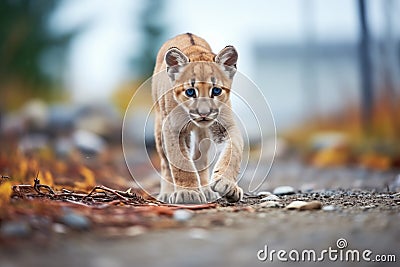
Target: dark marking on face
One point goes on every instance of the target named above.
(191, 38)
(192, 82)
(213, 81)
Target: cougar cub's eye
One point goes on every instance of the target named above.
(216, 91)
(191, 92)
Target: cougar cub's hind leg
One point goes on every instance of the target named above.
(167, 183)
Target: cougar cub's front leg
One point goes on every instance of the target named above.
(227, 168)
(202, 144)
(184, 173)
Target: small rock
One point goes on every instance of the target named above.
(15, 229)
(135, 230)
(63, 146)
(296, 204)
(33, 142)
(329, 208)
(39, 222)
(283, 190)
(303, 205)
(182, 215)
(88, 142)
(270, 197)
(59, 228)
(76, 221)
(263, 193)
(270, 204)
(367, 207)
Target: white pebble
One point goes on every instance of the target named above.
(270, 197)
(329, 208)
(59, 228)
(269, 204)
(303, 205)
(283, 190)
(263, 193)
(135, 230)
(182, 215)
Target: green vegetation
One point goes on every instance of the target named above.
(31, 56)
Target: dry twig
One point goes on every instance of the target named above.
(106, 195)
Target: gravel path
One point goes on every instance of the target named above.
(367, 218)
(230, 235)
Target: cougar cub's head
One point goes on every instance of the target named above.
(202, 88)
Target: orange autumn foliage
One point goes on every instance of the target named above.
(5, 193)
(89, 179)
(375, 161)
(375, 146)
(330, 157)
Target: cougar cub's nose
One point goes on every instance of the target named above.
(203, 109)
(203, 114)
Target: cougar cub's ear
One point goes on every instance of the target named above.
(228, 57)
(175, 60)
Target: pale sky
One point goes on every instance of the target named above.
(98, 58)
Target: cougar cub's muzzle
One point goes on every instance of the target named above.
(203, 111)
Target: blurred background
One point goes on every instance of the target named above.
(329, 70)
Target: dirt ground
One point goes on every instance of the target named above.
(366, 216)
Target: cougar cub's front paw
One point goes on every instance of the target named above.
(228, 189)
(210, 194)
(185, 196)
(163, 197)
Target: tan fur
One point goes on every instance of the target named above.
(185, 170)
